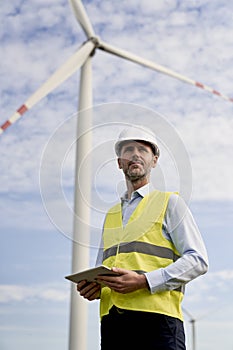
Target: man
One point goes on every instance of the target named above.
(151, 240)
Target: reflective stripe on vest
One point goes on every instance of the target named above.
(141, 247)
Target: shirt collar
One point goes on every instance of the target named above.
(142, 191)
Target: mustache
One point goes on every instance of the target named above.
(135, 161)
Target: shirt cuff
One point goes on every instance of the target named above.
(155, 281)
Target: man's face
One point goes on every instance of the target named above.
(136, 160)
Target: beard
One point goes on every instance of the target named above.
(135, 173)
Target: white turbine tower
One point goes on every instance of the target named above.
(82, 59)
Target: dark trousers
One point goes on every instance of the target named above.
(132, 330)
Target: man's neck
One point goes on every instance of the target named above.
(135, 185)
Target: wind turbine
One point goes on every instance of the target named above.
(82, 59)
(192, 320)
(79, 58)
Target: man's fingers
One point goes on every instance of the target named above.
(81, 285)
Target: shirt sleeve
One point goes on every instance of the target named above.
(179, 227)
(99, 259)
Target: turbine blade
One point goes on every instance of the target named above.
(149, 64)
(188, 314)
(81, 16)
(63, 73)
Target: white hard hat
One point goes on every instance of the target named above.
(137, 133)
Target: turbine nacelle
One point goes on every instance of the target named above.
(97, 43)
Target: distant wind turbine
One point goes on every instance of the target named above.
(82, 59)
(192, 320)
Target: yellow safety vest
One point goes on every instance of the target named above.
(140, 246)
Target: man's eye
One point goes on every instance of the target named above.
(129, 149)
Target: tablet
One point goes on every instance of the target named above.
(92, 274)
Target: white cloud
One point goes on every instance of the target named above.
(35, 293)
(208, 293)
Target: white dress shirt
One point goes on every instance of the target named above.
(180, 228)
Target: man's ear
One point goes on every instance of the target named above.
(119, 163)
(155, 160)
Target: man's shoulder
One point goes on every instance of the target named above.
(115, 208)
(169, 194)
(176, 205)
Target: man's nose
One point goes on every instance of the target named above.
(135, 152)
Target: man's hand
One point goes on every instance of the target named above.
(127, 281)
(89, 290)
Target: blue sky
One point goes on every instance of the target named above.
(192, 38)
